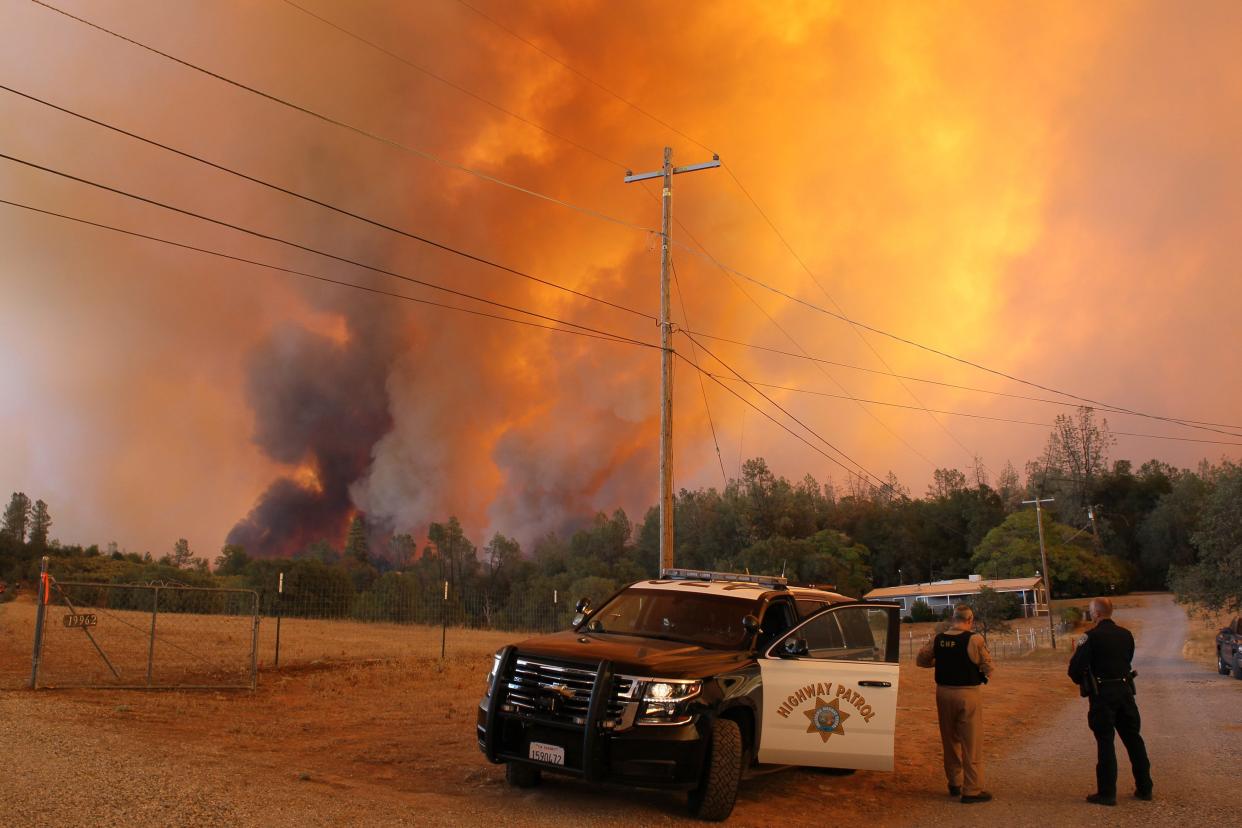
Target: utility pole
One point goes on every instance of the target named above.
(1095, 533)
(666, 349)
(1043, 558)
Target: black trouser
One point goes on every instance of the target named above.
(1113, 709)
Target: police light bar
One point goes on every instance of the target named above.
(775, 581)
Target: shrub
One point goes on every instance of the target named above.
(921, 612)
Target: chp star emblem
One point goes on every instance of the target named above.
(826, 719)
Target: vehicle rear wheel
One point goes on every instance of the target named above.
(522, 775)
(714, 797)
(1222, 666)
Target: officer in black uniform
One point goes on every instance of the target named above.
(1101, 667)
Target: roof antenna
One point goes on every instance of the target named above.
(782, 569)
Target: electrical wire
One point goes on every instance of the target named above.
(458, 87)
(292, 244)
(782, 409)
(797, 390)
(435, 159)
(590, 333)
(681, 299)
(312, 200)
(795, 434)
(974, 455)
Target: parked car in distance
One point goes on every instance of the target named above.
(1229, 649)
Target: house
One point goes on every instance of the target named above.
(940, 594)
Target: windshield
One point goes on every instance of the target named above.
(696, 618)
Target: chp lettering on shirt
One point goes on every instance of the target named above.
(954, 666)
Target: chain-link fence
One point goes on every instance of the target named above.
(1002, 644)
(145, 636)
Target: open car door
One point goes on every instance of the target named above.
(830, 690)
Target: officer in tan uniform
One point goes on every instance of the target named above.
(962, 663)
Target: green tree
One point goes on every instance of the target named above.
(232, 560)
(1011, 550)
(993, 609)
(40, 523)
(1215, 580)
(401, 548)
(357, 548)
(17, 517)
(1165, 533)
(182, 557)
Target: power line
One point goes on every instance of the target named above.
(795, 434)
(907, 377)
(312, 200)
(837, 305)
(1202, 425)
(591, 333)
(798, 390)
(435, 159)
(465, 91)
(703, 388)
(292, 244)
(585, 76)
(781, 408)
(805, 353)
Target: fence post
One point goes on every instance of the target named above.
(444, 621)
(36, 654)
(280, 599)
(155, 611)
(254, 640)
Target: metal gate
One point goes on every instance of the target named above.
(145, 636)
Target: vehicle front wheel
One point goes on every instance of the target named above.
(1222, 666)
(522, 775)
(714, 797)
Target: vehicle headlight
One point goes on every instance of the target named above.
(666, 701)
(491, 676)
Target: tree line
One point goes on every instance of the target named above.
(1110, 528)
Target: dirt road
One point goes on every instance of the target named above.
(1192, 723)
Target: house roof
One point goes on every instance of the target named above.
(960, 586)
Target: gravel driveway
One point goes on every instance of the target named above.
(1192, 723)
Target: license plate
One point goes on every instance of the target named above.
(551, 754)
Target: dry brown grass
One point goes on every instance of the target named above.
(212, 649)
(1200, 646)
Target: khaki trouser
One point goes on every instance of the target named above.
(961, 730)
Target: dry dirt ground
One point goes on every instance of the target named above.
(391, 742)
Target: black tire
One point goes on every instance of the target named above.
(1237, 665)
(1222, 666)
(522, 775)
(713, 799)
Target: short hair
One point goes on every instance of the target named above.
(963, 612)
(1101, 607)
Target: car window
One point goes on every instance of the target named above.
(808, 607)
(849, 633)
(777, 620)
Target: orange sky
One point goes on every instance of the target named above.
(1049, 190)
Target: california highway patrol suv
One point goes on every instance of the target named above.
(691, 680)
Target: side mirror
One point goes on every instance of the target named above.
(750, 623)
(793, 648)
(584, 606)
